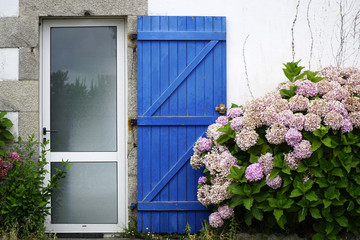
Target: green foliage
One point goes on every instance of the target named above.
(24, 195)
(5, 134)
(293, 72)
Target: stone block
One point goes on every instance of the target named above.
(19, 32)
(9, 8)
(132, 189)
(29, 64)
(132, 160)
(132, 62)
(9, 64)
(45, 8)
(29, 124)
(19, 96)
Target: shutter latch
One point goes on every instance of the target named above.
(221, 108)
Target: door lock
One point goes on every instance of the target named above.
(221, 108)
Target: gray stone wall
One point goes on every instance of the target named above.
(21, 31)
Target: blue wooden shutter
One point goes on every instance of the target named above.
(181, 78)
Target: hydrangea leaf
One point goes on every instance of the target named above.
(278, 213)
(329, 227)
(325, 165)
(279, 161)
(302, 214)
(315, 213)
(236, 201)
(317, 172)
(282, 221)
(248, 202)
(257, 213)
(274, 173)
(342, 221)
(248, 218)
(311, 196)
(296, 193)
(321, 132)
(337, 172)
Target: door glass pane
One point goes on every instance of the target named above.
(83, 89)
(87, 195)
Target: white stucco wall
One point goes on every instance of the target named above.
(9, 8)
(261, 34)
(9, 64)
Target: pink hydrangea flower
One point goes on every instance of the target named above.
(203, 144)
(306, 88)
(254, 172)
(266, 162)
(234, 112)
(237, 123)
(215, 220)
(302, 149)
(202, 180)
(347, 126)
(222, 120)
(226, 211)
(293, 136)
(274, 183)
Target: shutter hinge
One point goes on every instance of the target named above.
(133, 206)
(133, 36)
(133, 121)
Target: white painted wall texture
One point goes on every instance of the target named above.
(263, 34)
(9, 64)
(9, 8)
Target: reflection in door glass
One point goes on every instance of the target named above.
(83, 89)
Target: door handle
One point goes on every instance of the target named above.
(50, 131)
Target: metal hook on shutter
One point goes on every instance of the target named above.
(221, 108)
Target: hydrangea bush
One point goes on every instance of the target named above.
(289, 159)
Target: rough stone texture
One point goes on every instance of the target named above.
(9, 64)
(78, 8)
(29, 62)
(132, 63)
(19, 32)
(132, 195)
(132, 156)
(19, 96)
(28, 124)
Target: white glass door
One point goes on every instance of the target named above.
(83, 109)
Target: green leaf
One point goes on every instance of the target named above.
(337, 172)
(322, 182)
(274, 173)
(282, 221)
(273, 202)
(236, 173)
(248, 202)
(248, 218)
(325, 165)
(317, 172)
(329, 142)
(318, 236)
(329, 228)
(315, 213)
(286, 170)
(296, 193)
(253, 158)
(236, 201)
(321, 132)
(257, 213)
(8, 135)
(235, 188)
(311, 196)
(262, 196)
(302, 168)
(342, 221)
(327, 203)
(223, 138)
(302, 214)
(278, 213)
(279, 161)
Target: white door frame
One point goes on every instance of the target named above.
(120, 155)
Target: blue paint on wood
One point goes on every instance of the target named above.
(171, 206)
(169, 120)
(181, 36)
(181, 78)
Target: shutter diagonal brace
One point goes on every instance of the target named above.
(170, 174)
(176, 83)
